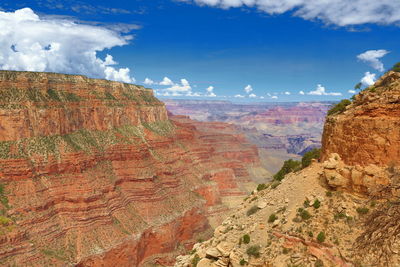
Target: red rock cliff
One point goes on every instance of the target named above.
(94, 172)
(368, 132)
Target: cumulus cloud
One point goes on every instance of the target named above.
(239, 96)
(351, 91)
(248, 89)
(31, 43)
(148, 81)
(301, 93)
(252, 95)
(287, 93)
(372, 57)
(166, 81)
(336, 12)
(368, 79)
(274, 97)
(179, 88)
(320, 90)
(210, 91)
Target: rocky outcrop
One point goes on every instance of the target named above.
(94, 173)
(368, 131)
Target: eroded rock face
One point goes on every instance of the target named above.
(368, 132)
(96, 173)
(371, 180)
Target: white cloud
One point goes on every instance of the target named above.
(301, 93)
(372, 57)
(193, 94)
(148, 81)
(337, 12)
(252, 96)
(239, 96)
(210, 91)
(351, 91)
(287, 93)
(274, 97)
(176, 88)
(166, 81)
(368, 79)
(320, 90)
(261, 97)
(248, 89)
(31, 43)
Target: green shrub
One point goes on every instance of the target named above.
(319, 263)
(261, 187)
(321, 237)
(310, 155)
(363, 210)
(328, 193)
(243, 262)
(252, 210)
(339, 107)
(275, 184)
(109, 96)
(246, 239)
(272, 218)
(53, 95)
(5, 221)
(396, 67)
(304, 214)
(195, 260)
(288, 167)
(358, 86)
(316, 204)
(253, 251)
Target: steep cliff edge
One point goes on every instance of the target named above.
(94, 173)
(343, 211)
(368, 131)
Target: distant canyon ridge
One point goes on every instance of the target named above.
(280, 130)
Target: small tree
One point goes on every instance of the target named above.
(288, 167)
(358, 86)
(312, 154)
(396, 67)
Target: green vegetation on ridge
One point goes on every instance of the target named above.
(81, 140)
(294, 165)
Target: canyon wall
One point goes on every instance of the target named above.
(280, 130)
(94, 173)
(368, 131)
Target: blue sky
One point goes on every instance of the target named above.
(230, 48)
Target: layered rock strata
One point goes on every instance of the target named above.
(94, 173)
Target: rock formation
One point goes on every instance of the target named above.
(96, 173)
(368, 132)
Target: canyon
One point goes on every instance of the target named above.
(279, 130)
(341, 210)
(98, 173)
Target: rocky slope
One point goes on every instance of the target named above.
(342, 211)
(96, 173)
